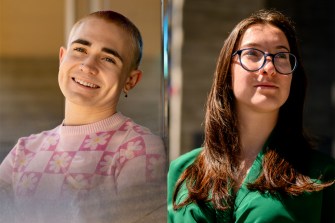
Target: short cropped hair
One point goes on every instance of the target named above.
(127, 25)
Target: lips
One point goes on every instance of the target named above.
(86, 84)
(266, 85)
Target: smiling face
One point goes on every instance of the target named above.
(96, 65)
(264, 90)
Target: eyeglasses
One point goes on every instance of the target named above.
(253, 60)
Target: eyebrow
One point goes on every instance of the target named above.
(255, 45)
(113, 52)
(82, 41)
(104, 49)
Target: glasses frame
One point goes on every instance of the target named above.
(265, 55)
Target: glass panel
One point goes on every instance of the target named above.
(29, 94)
(31, 35)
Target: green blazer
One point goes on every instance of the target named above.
(254, 207)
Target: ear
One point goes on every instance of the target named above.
(62, 52)
(132, 80)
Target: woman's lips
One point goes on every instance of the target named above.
(266, 85)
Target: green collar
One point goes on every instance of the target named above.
(252, 175)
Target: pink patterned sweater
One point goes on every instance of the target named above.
(71, 161)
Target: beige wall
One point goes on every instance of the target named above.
(31, 32)
(35, 28)
(146, 15)
(31, 28)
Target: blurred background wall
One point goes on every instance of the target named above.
(206, 24)
(31, 33)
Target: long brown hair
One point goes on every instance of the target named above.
(211, 177)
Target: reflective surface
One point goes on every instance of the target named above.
(31, 101)
(29, 94)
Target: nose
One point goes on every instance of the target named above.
(269, 67)
(89, 66)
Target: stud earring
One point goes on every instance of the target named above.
(125, 94)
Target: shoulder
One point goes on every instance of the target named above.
(182, 162)
(132, 131)
(130, 125)
(35, 139)
(31, 144)
(178, 166)
(191, 212)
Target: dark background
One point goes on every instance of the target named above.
(207, 24)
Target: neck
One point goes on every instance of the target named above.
(255, 128)
(82, 115)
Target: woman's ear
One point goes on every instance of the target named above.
(132, 80)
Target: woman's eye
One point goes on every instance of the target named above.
(252, 53)
(282, 55)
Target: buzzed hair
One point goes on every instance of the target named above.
(127, 25)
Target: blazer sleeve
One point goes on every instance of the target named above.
(190, 213)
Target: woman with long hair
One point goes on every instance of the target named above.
(257, 163)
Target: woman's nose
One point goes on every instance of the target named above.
(269, 67)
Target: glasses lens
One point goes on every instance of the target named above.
(252, 59)
(284, 62)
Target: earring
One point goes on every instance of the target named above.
(125, 94)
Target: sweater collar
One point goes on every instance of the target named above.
(114, 121)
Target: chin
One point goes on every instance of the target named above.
(267, 105)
